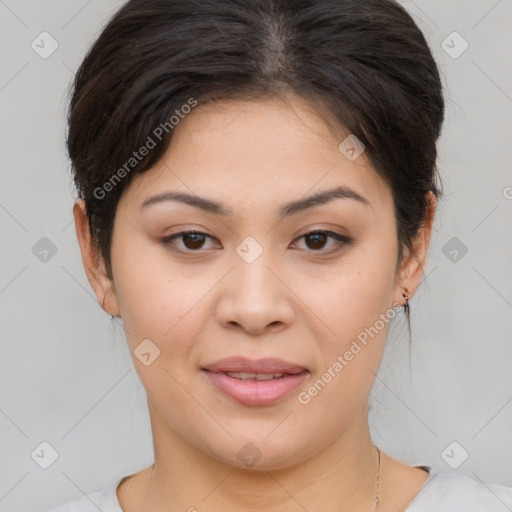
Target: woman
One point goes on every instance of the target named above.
(257, 185)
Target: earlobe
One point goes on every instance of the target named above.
(413, 268)
(94, 264)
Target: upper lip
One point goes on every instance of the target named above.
(246, 365)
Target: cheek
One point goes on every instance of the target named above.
(351, 354)
(168, 312)
(155, 301)
(350, 303)
(350, 297)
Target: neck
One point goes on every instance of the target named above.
(184, 477)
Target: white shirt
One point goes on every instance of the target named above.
(441, 492)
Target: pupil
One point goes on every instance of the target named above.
(196, 240)
(315, 237)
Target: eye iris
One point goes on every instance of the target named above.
(316, 237)
(197, 240)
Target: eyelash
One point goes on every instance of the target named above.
(342, 240)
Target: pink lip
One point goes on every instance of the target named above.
(243, 364)
(264, 392)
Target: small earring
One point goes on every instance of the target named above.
(404, 295)
(407, 308)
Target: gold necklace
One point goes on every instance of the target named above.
(378, 479)
(376, 500)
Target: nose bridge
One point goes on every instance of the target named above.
(251, 268)
(253, 295)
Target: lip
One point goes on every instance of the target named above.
(244, 364)
(265, 392)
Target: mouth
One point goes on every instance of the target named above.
(257, 383)
(263, 389)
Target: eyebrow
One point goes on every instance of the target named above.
(290, 208)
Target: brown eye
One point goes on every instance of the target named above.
(191, 241)
(317, 239)
(194, 241)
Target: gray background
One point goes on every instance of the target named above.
(66, 376)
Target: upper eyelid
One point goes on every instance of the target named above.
(328, 232)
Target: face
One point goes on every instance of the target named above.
(254, 281)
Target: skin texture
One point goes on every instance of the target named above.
(295, 301)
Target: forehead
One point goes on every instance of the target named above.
(271, 150)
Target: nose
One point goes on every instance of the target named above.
(255, 297)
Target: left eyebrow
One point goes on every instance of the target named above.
(290, 208)
(323, 197)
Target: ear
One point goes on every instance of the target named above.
(411, 272)
(94, 264)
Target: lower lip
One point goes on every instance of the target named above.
(263, 392)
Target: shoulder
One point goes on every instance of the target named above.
(452, 492)
(104, 500)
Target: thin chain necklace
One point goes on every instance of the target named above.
(378, 480)
(376, 500)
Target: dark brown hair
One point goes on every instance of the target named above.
(364, 63)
